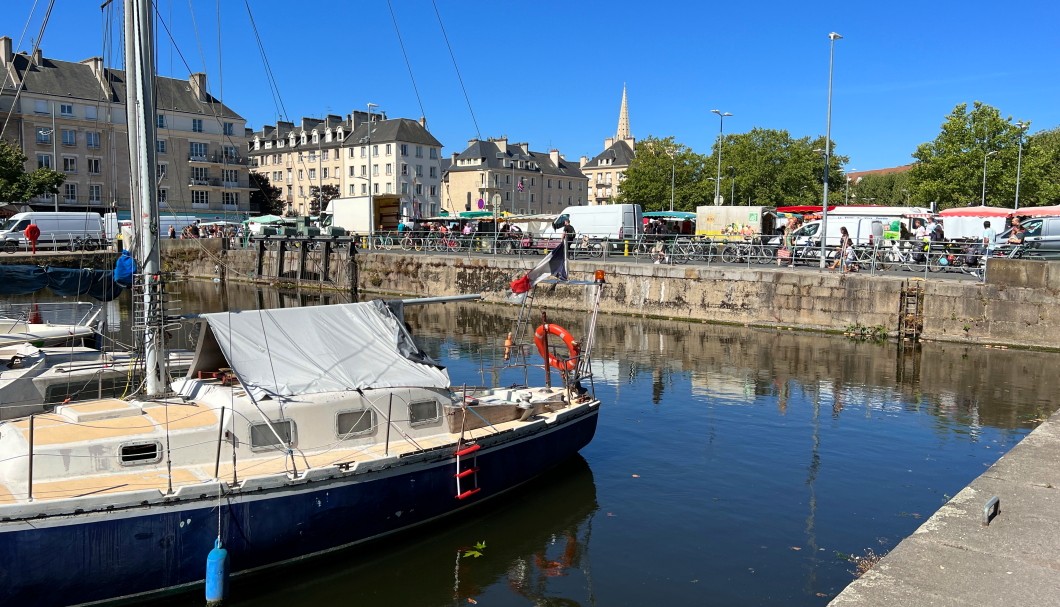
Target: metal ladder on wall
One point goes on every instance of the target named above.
(911, 311)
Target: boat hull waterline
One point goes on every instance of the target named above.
(159, 547)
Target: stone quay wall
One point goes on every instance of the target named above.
(1018, 306)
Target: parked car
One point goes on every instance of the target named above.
(1042, 238)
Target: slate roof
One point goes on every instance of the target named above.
(620, 153)
(65, 79)
(404, 130)
(488, 151)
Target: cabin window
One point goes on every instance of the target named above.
(137, 454)
(353, 423)
(261, 437)
(423, 412)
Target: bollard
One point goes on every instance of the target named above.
(625, 248)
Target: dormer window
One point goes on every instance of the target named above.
(303, 139)
(316, 137)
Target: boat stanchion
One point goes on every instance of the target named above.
(216, 575)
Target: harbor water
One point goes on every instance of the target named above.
(732, 466)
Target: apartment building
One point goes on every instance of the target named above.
(509, 177)
(71, 117)
(358, 154)
(607, 169)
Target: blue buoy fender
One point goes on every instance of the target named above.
(216, 575)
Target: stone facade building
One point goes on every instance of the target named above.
(607, 169)
(71, 117)
(511, 177)
(396, 157)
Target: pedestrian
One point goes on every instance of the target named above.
(845, 243)
(568, 232)
(172, 231)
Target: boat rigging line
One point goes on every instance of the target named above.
(401, 43)
(460, 78)
(36, 47)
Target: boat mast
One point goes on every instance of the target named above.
(140, 117)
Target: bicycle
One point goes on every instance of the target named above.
(83, 243)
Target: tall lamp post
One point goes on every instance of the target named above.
(985, 156)
(832, 37)
(371, 194)
(1019, 160)
(721, 132)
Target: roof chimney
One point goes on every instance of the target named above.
(583, 161)
(553, 155)
(96, 63)
(38, 57)
(198, 85)
(423, 121)
(5, 50)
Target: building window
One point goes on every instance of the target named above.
(404, 149)
(230, 198)
(375, 170)
(44, 161)
(352, 189)
(419, 151)
(160, 146)
(95, 193)
(324, 173)
(70, 192)
(389, 187)
(434, 153)
(163, 196)
(389, 149)
(419, 189)
(434, 191)
(92, 139)
(44, 135)
(404, 169)
(324, 155)
(69, 137)
(364, 189)
(230, 152)
(197, 150)
(66, 109)
(375, 150)
(301, 174)
(160, 173)
(419, 170)
(364, 151)
(196, 125)
(312, 156)
(312, 173)
(160, 121)
(69, 164)
(229, 129)
(434, 172)
(405, 188)
(94, 166)
(40, 107)
(389, 169)
(200, 197)
(200, 176)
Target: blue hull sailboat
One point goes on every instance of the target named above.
(296, 432)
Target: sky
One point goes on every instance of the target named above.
(551, 73)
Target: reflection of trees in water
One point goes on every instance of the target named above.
(960, 384)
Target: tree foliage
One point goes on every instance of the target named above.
(658, 164)
(320, 196)
(977, 148)
(772, 168)
(16, 185)
(264, 197)
(892, 189)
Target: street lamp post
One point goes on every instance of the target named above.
(985, 156)
(371, 195)
(1019, 160)
(847, 195)
(732, 194)
(832, 37)
(721, 131)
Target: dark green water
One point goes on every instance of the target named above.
(732, 466)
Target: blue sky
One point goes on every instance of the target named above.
(551, 73)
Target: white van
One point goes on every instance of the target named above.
(860, 222)
(606, 221)
(57, 230)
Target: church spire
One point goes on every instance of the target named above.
(623, 118)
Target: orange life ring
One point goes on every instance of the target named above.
(555, 362)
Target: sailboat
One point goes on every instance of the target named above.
(296, 432)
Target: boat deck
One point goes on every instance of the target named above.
(57, 428)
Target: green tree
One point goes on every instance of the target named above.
(16, 185)
(647, 181)
(320, 196)
(264, 197)
(978, 147)
(891, 189)
(772, 168)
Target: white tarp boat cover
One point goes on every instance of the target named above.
(309, 350)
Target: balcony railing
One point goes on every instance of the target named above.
(209, 181)
(217, 158)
